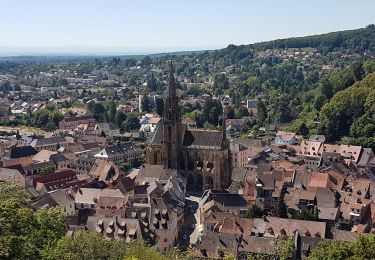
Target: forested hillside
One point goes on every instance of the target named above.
(350, 114)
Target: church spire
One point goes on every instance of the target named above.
(172, 81)
(224, 126)
(171, 125)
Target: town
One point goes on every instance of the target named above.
(142, 169)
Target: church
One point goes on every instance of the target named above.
(201, 156)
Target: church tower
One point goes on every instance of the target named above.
(171, 126)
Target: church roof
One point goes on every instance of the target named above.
(194, 138)
(198, 138)
(157, 137)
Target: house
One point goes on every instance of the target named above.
(226, 223)
(105, 171)
(19, 155)
(12, 176)
(149, 124)
(81, 150)
(39, 168)
(275, 227)
(115, 227)
(60, 161)
(353, 211)
(49, 143)
(108, 129)
(235, 125)
(125, 109)
(119, 153)
(214, 246)
(81, 166)
(285, 138)
(190, 123)
(103, 202)
(166, 219)
(58, 180)
(57, 198)
(350, 153)
(244, 150)
(222, 200)
(71, 123)
(43, 156)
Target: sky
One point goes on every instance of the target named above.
(150, 26)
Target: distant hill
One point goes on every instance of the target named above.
(359, 40)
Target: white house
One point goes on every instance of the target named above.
(285, 138)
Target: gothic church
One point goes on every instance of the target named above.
(201, 156)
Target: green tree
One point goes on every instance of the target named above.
(332, 250)
(131, 122)
(326, 88)
(280, 210)
(303, 129)
(241, 112)
(86, 246)
(285, 248)
(146, 61)
(262, 113)
(229, 112)
(25, 233)
(120, 117)
(145, 104)
(311, 214)
(159, 106)
(138, 249)
(254, 212)
(111, 107)
(98, 111)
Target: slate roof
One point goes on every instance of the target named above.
(9, 175)
(56, 158)
(289, 226)
(149, 172)
(61, 197)
(157, 137)
(365, 157)
(325, 197)
(22, 151)
(119, 148)
(328, 213)
(203, 138)
(229, 199)
(78, 118)
(214, 245)
(50, 141)
(343, 235)
(263, 245)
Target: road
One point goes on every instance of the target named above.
(191, 218)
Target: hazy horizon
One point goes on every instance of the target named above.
(117, 27)
(110, 51)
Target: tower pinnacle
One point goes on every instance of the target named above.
(172, 81)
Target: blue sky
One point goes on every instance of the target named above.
(138, 26)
